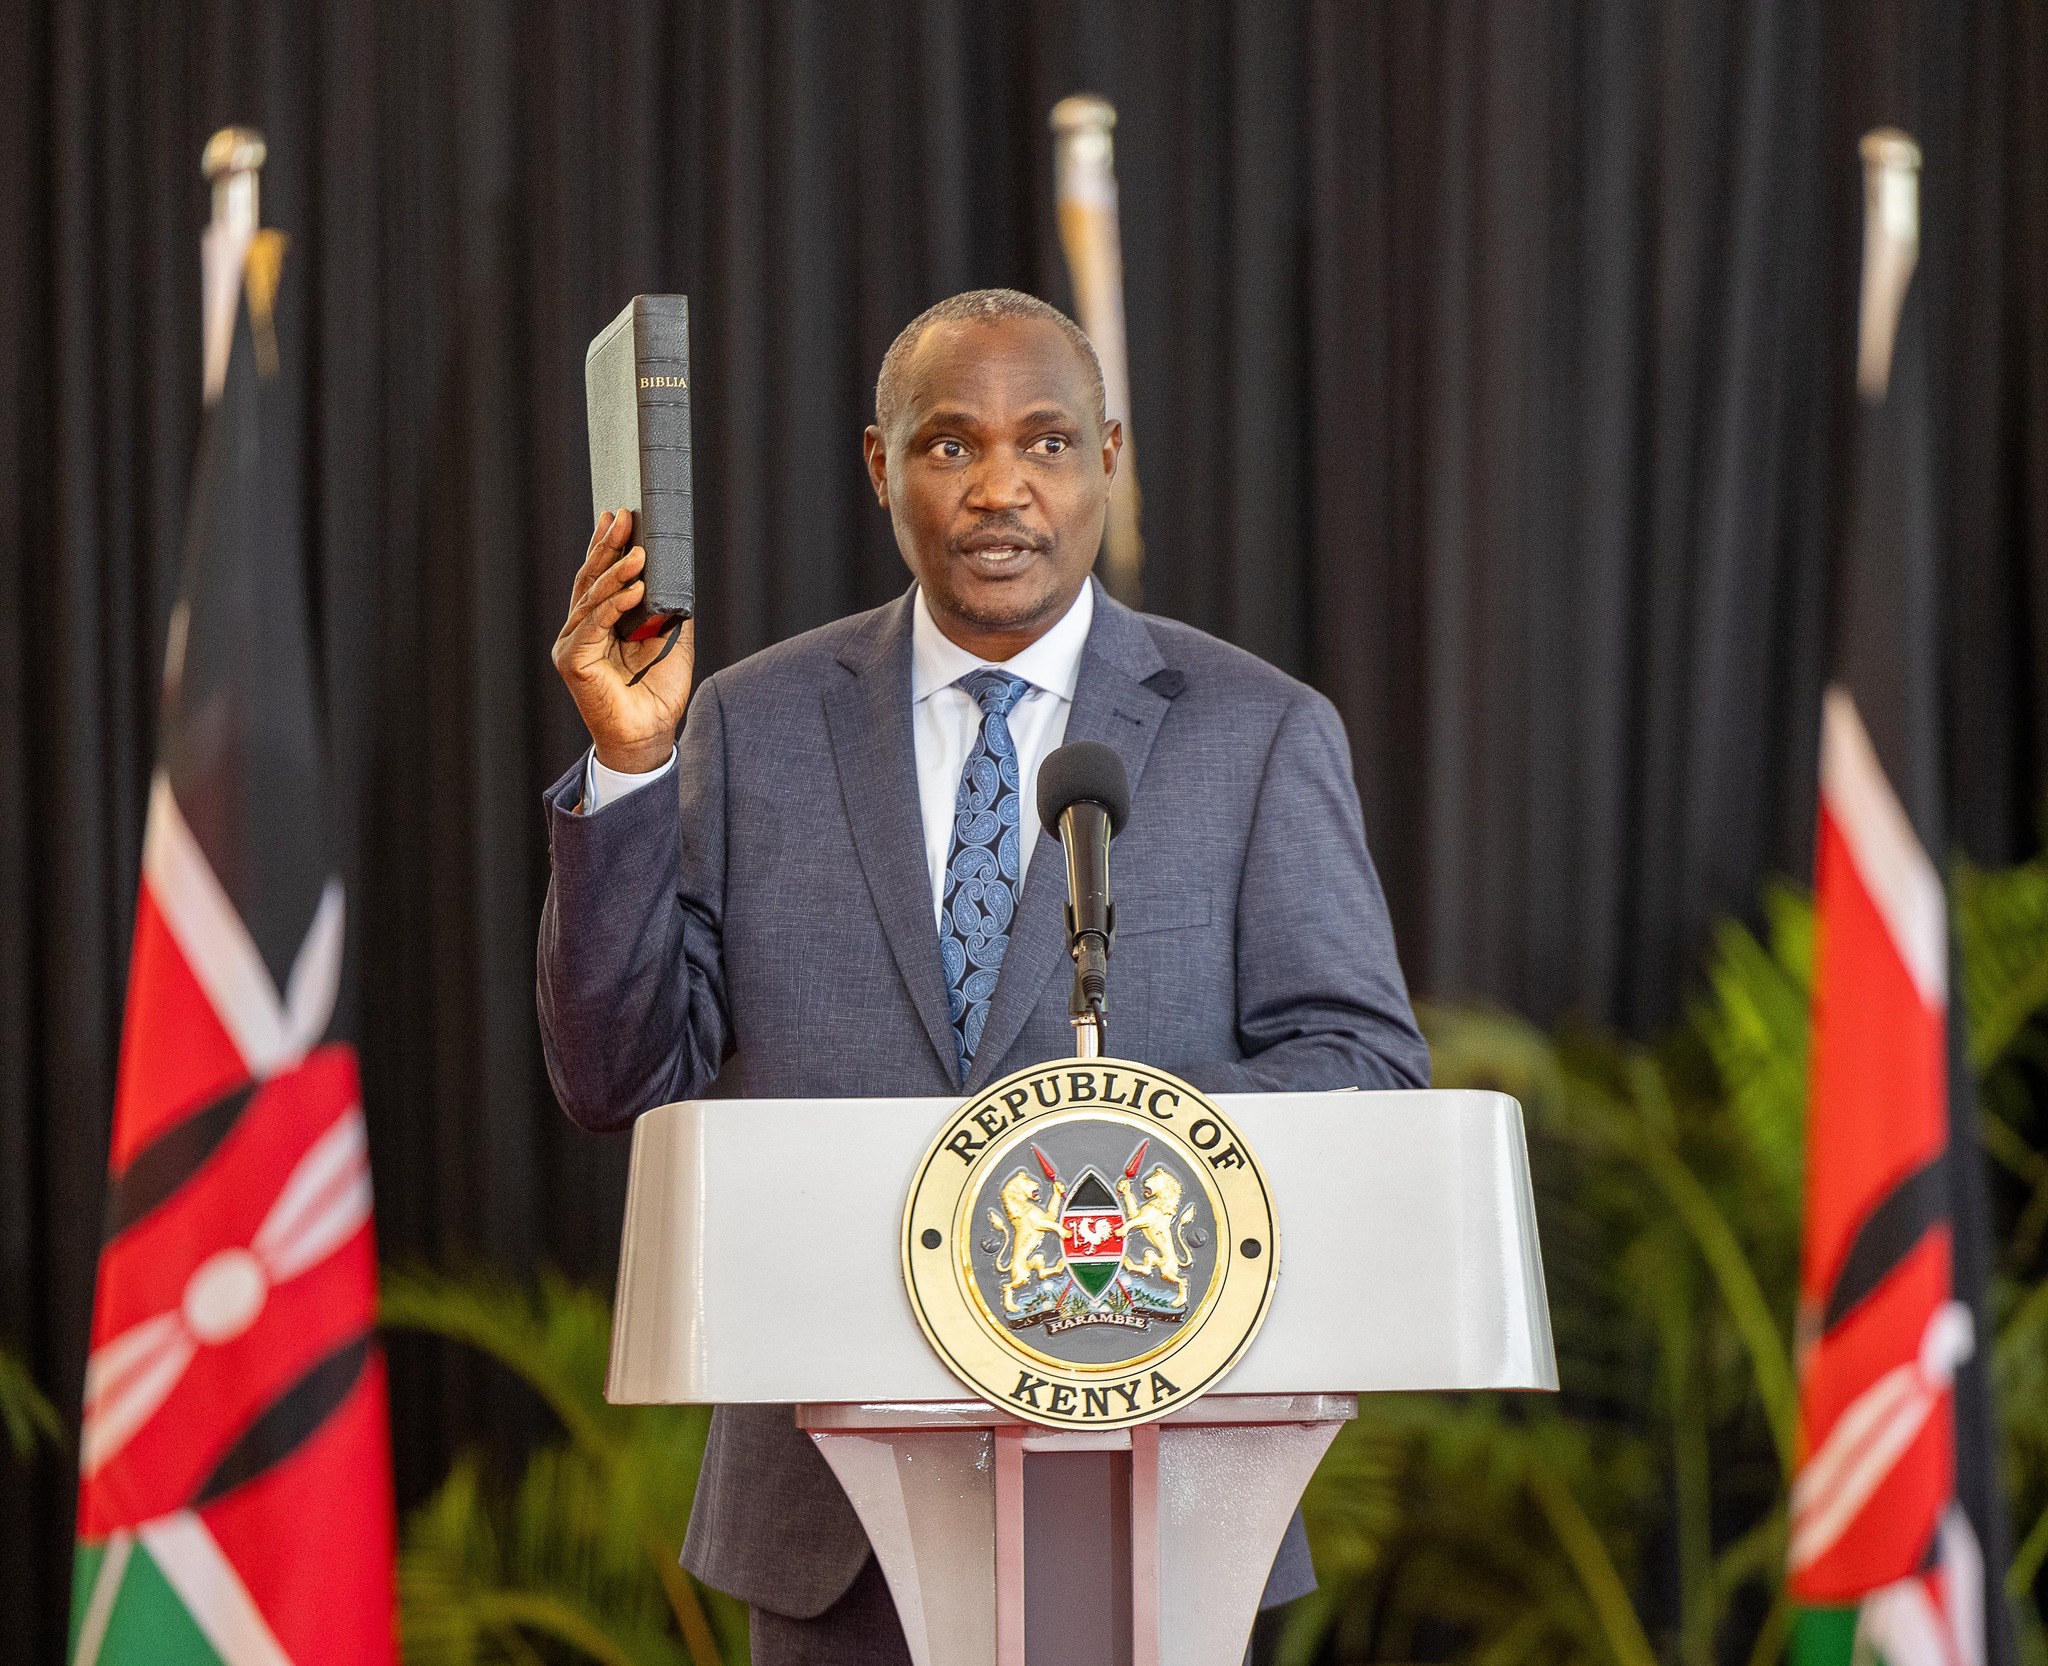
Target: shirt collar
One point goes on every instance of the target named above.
(1052, 663)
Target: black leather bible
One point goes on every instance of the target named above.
(636, 381)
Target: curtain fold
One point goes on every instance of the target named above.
(1490, 372)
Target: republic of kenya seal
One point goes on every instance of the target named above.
(1089, 1243)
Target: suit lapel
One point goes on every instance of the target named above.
(1111, 705)
(873, 748)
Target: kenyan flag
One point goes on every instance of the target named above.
(1894, 1507)
(235, 1478)
(1092, 1227)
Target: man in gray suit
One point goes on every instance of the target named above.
(829, 886)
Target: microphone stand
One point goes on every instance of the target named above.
(1089, 1002)
(1091, 1028)
(1083, 798)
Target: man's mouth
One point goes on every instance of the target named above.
(994, 554)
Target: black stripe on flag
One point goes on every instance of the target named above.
(290, 1421)
(171, 1159)
(1887, 1236)
(242, 739)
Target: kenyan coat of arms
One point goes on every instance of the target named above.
(1089, 1243)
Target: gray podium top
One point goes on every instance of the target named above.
(761, 1259)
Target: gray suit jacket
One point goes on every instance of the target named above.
(769, 927)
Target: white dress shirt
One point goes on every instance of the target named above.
(944, 723)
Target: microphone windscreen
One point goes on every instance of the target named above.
(1083, 772)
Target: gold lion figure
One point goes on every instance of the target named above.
(1153, 1219)
(1028, 1227)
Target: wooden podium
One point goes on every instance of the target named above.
(1409, 1260)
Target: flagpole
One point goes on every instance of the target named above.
(1891, 249)
(235, 1494)
(1084, 174)
(1883, 1559)
(233, 164)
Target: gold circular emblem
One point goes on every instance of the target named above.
(1089, 1243)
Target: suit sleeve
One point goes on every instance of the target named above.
(631, 977)
(1321, 1002)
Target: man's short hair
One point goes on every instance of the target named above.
(978, 306)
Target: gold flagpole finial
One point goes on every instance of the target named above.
(1891, 249)
(232, 150)
(1084, 114)
(232, 163)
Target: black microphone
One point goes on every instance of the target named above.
(1084, 798)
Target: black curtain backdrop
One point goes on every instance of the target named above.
(1491, 371)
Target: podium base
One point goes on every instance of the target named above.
(1004, 1542)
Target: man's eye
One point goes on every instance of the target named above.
(1052, 445)
(950, 451)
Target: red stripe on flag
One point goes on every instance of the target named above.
(143, 1272)
(328, 1596)
(150, 1271)
(1888, 1538)
(1876, 1436)
(1880, 1067)
(175, 1054)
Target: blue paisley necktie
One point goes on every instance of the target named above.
(981, 873)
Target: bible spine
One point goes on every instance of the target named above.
(637, 385)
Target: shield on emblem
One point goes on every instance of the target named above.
(1092, 1227)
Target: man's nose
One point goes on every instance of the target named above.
(998, 481)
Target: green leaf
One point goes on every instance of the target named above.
(2001, 924)
(1754, 1024)
(590, 1535)
(29, 1416)
(1594, 1567)
(555, 1338)
(468, 1597)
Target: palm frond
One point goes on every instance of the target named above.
(1354, 1503)
(1670, 1234)
(2001, 923)
(554, 1337)
(1587, 1550)
(2019, 1378)
(1669, 1184)
(595, 1526)
(1753, 1024)
(567, 1532)
(471, 1594)
(29, 1416)
(1427, 1514)
(450, 1553)
(1484, 1047)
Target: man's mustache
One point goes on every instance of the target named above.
(1003, 527)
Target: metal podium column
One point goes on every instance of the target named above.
(941, 1489)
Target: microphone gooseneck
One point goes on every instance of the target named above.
(1084, 799)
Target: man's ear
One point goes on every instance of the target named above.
(877, 456)
(1112, 446)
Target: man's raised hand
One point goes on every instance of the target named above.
(633, 725)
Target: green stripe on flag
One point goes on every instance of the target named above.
(1823, 1636)
(149, 1626)
(85, 1570)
